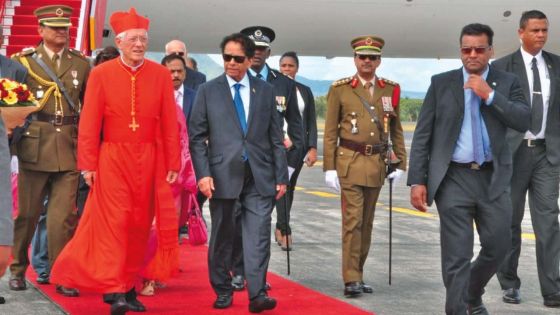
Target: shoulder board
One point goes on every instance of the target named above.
(342, 81)
(76, 52)
(388, 81)
(25, 52)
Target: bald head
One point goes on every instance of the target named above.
(177, 47)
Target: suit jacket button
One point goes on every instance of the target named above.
(371, 134)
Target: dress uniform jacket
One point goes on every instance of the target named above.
(285, 89)
(45, 146)
(344, 104)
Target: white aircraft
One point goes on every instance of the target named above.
(411, 28)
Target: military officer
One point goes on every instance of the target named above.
(362, 114)
(47, 149)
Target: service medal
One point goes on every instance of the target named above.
(280, 103)
(40, 93)
(387, 103)
(75, 76)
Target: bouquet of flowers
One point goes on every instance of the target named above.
(16, 103)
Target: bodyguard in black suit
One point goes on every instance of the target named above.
(239, 158)
(459, 158)
(536, 159)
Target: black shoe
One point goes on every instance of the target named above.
(352, 289)
(119, 306)
(17, 284)
(223, 301)
(552, 300)
(2, 300)
(511, 296)
(133, 304)
(43, 278)
(261, 303)
(68, 292)
(366, 288)
(479, 309)
(238, 283)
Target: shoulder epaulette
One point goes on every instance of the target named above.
(76, 52)
(389, 81)
(25, 52)
(342, 81)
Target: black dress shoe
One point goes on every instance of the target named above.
(366, 288)
(133, 304)
(68, 292)
(552, 300)
(43, 278)
(2, 300)
(477, 309)
(352, 289)
(238, 283)
(511, 296)
(119, 306)
(223, 301)
(17, 284)
(261, 303)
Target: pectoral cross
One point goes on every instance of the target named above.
(134, 125)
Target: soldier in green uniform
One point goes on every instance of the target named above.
(47, 148)
(362, 115)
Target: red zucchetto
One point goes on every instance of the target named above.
(122, 21)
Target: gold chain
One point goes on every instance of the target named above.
(133, 125)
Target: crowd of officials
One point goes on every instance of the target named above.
(118, 153)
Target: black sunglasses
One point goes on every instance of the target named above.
(478, 50)
(178, 53)
(238, 59)
(370, 57)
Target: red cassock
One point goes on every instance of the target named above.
(107, 251)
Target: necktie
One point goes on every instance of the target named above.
(238, 102)
(369, 88)
(179, 99)
(537, 104)
(55, 58)
(259, 76)
(478, 146)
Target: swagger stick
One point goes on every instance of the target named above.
(287, 199)
(388, 162)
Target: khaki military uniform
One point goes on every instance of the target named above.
(361, 175)
(47, 153)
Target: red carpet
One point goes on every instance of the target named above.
(190, 293)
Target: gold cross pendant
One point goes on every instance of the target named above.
(134, 125)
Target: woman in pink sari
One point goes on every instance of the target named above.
(162, 257)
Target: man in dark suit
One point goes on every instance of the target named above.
(239, 158)
(193, 78)
(536, 159)
(184, 96)
(13, 71)
(459, 158)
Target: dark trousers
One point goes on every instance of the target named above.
(532, 172)
(285, 203)
(255, 227)
(461, 199)
(237, 255)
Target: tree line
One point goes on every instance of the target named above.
(409, 107)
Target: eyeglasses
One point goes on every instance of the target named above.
(178, 53)
(370, 57)
(478, 50)
(238, 59)
(134, 39)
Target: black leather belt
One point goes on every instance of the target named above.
(365, 149)
(533, 143)
(473, 165)
(56, 120)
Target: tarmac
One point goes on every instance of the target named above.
(416, 283)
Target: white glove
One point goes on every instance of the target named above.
(290, 172)
(395, 175)
(331, 179)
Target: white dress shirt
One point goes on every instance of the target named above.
(179, 95)
(244, 92)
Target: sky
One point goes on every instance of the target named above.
(413, 74)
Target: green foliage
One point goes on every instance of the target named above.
(410, 108)
(321, 106)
